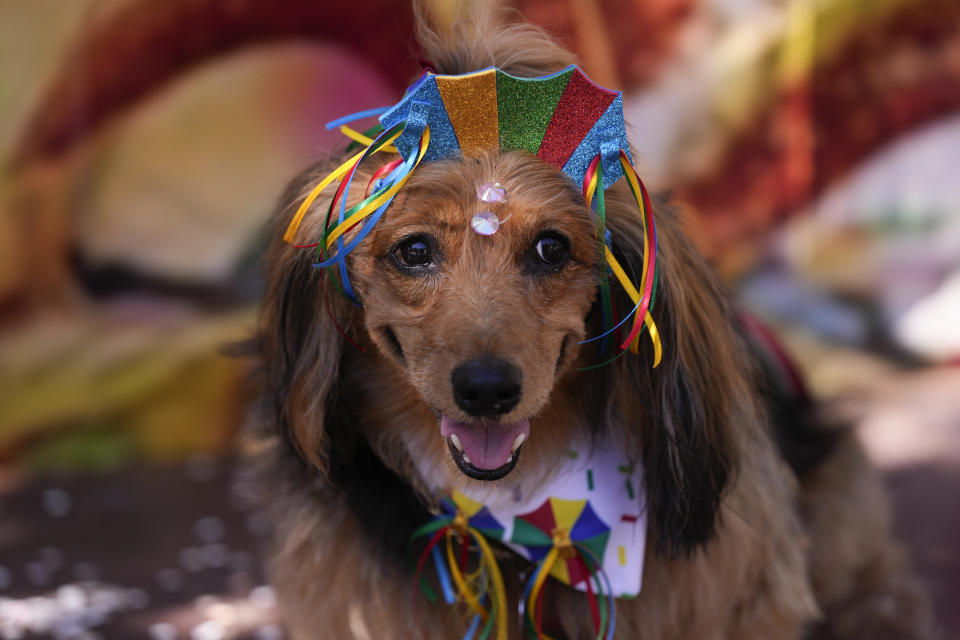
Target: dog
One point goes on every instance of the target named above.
(763, 522)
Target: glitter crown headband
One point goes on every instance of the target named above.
(563, 118)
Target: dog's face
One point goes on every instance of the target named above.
(477, 337)
(483, 327)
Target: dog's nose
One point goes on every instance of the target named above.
(487, 386)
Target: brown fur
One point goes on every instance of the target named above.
(731, 555)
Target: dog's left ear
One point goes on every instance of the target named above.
(299, 337)
(683, 415)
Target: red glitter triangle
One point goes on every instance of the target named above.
(580, 106)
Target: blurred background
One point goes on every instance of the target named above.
(813, 144)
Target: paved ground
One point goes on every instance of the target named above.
(159, 553)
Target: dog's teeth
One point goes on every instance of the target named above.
(466, 459)
(509, 459)
(455, 439)
(517, 442)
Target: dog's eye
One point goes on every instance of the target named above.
(549, 253)
(413, 253)
(552, 249)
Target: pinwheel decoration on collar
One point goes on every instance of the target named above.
(564, 538)
(563, 118)
(465, 521)
(585, 528)
(567, 541)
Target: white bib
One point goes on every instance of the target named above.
(595, 499)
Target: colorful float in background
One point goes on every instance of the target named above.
(146, 144)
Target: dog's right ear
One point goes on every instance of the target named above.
(299, 340)
(691, 412)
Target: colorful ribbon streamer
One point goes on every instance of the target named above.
(602, 609)
(648, 281)
(485, 584)
(374, 205)
(356, 136)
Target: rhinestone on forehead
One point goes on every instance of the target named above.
(491, 192)
(486, 223)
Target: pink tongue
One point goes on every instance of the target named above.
(487, 444)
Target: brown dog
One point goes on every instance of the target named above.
(757, 530)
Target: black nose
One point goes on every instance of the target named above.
(486, 386)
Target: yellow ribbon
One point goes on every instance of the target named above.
(375, 204)
(337, 173)
(472, 600)
(497, 591)
(548, 563)
(356, 136)
(636, 189)
(622, 275)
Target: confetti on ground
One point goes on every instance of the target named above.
(168, 553)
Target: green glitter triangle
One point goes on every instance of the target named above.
(525, 107)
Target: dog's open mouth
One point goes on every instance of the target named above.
(484, 450)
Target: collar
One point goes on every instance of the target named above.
(585, 527)
(595, 499)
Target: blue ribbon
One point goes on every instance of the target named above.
(414, 127)
(444, 576)
(609, 331)
(366, 113)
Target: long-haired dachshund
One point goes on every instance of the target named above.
(464, 365)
